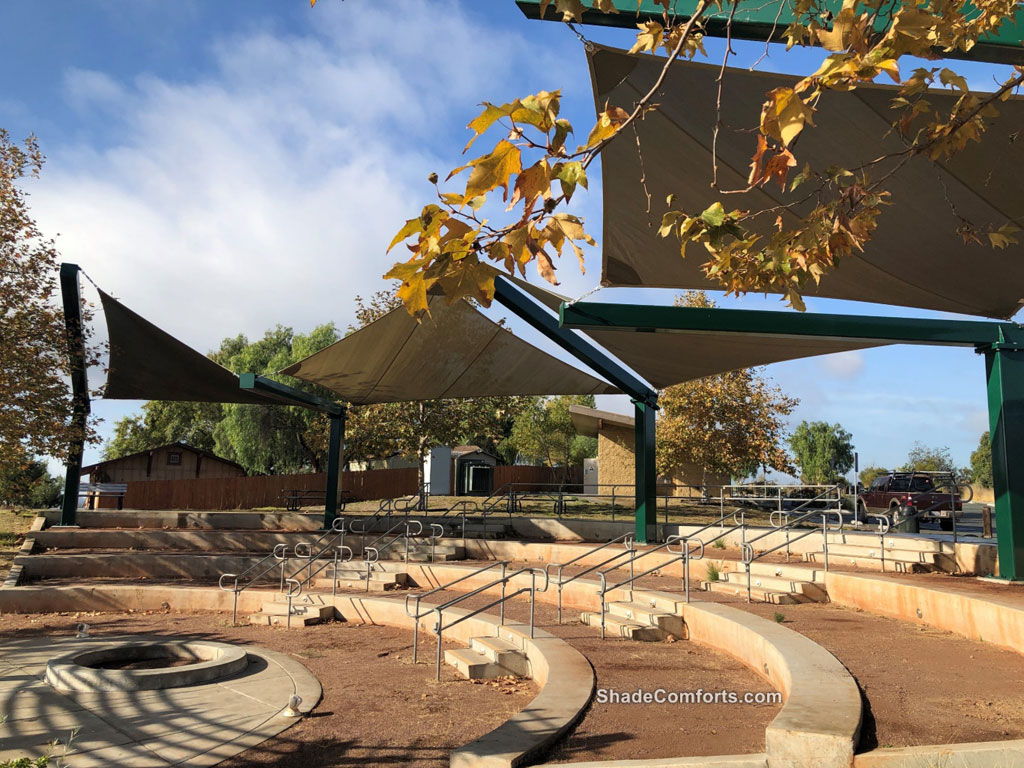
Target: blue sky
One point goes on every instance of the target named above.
(224, 167)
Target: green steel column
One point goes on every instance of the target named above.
(332, 496)
(1005, 367)
(71, 297)
(646, 477)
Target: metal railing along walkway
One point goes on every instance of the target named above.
(606, 588)
(626, 539)
(440, 626)
(254, 573)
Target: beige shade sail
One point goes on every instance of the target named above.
(915, 258)
(147, 363)
(666, 358)
(456, 352)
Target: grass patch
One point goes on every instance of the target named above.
(779, 617)
(713, 573)
(719, 544)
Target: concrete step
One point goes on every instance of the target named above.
(357, 584)
(396, 578)
(795, 571)
(502, 653)
(901, 542)
(297, 622)
(912, 561)
(321, 611)
(811, 590)
(618, 626)
(645, 615)
(473, 665)
(756, 593)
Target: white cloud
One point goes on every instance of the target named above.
(266, 190)
(844, 365)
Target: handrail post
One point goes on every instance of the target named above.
(604, 583)
(503, 585)
(334, 581)
(533, 599)
(438, 674)
(686, 568)
(824, 538)
(234, 607)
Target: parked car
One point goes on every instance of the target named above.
(928, 492)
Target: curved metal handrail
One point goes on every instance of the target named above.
(279, 555)
(532, 589)
(417, 615)
(666, 545)
(626, 538)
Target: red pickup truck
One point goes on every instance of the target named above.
(926, 491)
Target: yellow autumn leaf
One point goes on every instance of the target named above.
(607, 125)
(649, 38)
(532, 183)
(493, 170)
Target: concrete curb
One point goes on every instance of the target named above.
(566, 678)
(819, 723)
(996, 754)
(720, 761)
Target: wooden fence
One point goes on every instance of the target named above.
(267, 490)
(262, 491)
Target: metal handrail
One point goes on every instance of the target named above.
(294, 590)
(626, 538)
(335, 561)
(748, 556)
(419, 597)
(375, 550)
(279, 555)
(304, 549)
(688, 557)
(605, 588)
(532, 589)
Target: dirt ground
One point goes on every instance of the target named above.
(920, 685)
(378, 709)
(621, 731)
(13, 526)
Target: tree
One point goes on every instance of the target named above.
(538, 172)
(868, 475)
(35, 416)
(262, 438)
(923, 458)
(544, 433)
(726, 424)
(164, 422)
(824, 452)
(981, 462)
(29, 484)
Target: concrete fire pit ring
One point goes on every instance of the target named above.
(188, 662)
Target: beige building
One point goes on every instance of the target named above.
(615, 435)
(168, 462)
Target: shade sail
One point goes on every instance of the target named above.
(456, 352)
(665, 359)
(147, 363)
(915, 258)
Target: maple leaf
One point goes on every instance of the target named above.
(493, 170)
(651, 36)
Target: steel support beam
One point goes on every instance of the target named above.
(336, 411)
(646, 476)
(71, 296)
(1004, 365)
(288, 395)
(332, 495)
(1002, 343)
(645, 397)
(901, 330)
(757, 20)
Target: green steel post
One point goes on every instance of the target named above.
(332, 495)
(646, 477)
(1005, 367)
(71, 296)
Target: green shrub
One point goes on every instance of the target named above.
(713, 572)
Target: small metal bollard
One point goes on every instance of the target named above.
(986, 522)
(292, 710)
(83, 631)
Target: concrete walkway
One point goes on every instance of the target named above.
(197, 725)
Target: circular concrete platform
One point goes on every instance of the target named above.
(196, 725)
(172, 664)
